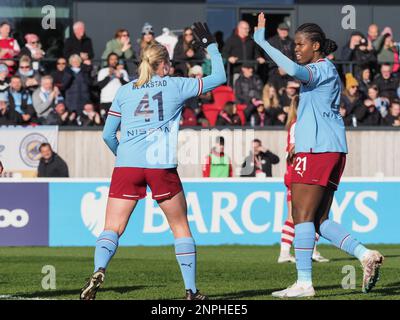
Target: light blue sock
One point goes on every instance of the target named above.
(338, 235)
(106, 246)
(304, 241)
(185, 250)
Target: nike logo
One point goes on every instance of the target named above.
(187, 265)
(109, 251)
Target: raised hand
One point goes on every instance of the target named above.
(202, 34)
(261, 21)
(259, 34)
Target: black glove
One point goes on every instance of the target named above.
(202, 34)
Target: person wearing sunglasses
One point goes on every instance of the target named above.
(33, 48)
(120, 45)
(30, 77)
(62, 78)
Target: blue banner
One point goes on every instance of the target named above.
(221, 212)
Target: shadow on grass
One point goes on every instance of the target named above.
(57, 293)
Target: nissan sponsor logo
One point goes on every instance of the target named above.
(17, 218)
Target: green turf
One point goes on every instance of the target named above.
(224, 272)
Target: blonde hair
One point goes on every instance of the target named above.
(151, 57)
(270, 102)
(292, 114)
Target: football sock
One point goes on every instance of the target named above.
(287, 237)
(336, 234)
(185, 250)
(106, 246)
(303, 246)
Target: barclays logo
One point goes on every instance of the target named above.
(93, 209)
(17, 218)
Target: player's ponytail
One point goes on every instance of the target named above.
(316, 34)
(151, 57)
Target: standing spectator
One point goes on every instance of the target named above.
(51, 165)
(120, 45)
(8, 116)
(109, 80)
(386, 82)
(351, 97)
(248, 88)
(187, 53)
(61, 77)
(4, 81)
(217, 164)
(228, 116)
(45, 97)
(89, 117)
(349, 48)
(373, 32)
(241, 47)
(20, 100)
(146, 39)
(9, 47)
(363, 56)
(30, 78)
(60, 116)
(381, 103)
(32, 49)
(259, 162)
(260, 117)
(79, 43)
(393, 118)
(77, 94)
(387, 50)
(367, 114)
(283, 43)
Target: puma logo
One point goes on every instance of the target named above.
(187, 265)
(300, 173)
(109, 251)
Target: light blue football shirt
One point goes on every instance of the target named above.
(320, 127)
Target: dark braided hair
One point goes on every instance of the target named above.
(315, 34)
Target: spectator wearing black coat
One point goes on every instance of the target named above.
(20, 100)
(187, 54)
(351, 97)
(79, 43)
(260, 117)
(61, 117)
(364, 80)
(347, 118)
(8, 116)
(51, 165)
(89, 117)
(62, 78)
(259, 162)
(349, 48)
(393, 117)
(241, 47)
(386, 82)
(228, 116)
(4, 80)
(367, 114)
(78, 92)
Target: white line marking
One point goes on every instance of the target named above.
(12, 297)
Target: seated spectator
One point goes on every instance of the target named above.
(217, 163)
(9, 47)
(146, 39)
(381, 103)
(79, 43)
(351, 97)
(228, 116)
(197, 102)
(8, 116)
(291, 90)
(367, 114)
(4, 81)
(393, 118)
(260, 117)
(272, 106)
(186, 52)
(248, 88)
(386, 82)
(120, 45)
(109, 80)
(387, 50)
(45, 97)
(51, 165)
(89, 117)
(32, 49)
(259, 162)
(60, 116)
(30, 78)
(61, 76)
(347, 118)
(77, 94)
(20, 100)
(364, 80)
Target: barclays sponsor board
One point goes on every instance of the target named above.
(224, 212)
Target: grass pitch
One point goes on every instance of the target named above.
(224, 272)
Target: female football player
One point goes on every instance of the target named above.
(148, 111)
(287, 235)
(320, 155)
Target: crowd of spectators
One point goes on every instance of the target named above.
(76, 91)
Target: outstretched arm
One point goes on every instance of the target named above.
(293, 69)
